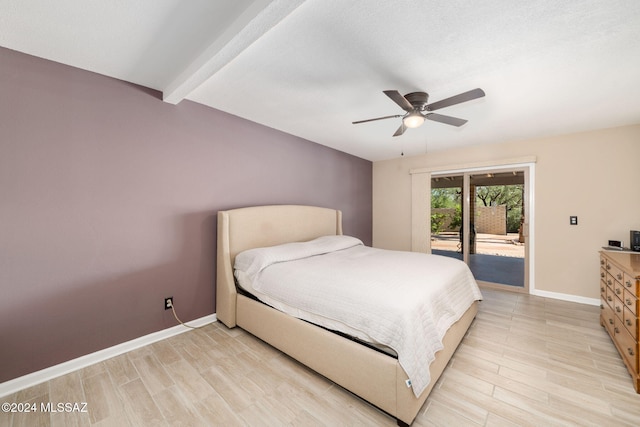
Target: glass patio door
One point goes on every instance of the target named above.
(481, 217)
(446, 215)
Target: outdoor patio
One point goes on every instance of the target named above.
(498, 258)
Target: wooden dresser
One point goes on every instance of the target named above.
(619, 293)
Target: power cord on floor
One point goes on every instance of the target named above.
(170, 304)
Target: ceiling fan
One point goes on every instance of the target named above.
(415, 104)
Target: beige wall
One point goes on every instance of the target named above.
(591, 175)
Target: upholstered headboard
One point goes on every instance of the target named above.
(261, 226)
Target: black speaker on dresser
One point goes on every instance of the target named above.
(634, 241)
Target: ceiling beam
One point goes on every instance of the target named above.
(260, 17)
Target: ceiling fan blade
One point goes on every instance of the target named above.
(377, 118)
(400, 130)
(457, 99)
(399, 99)
(454, 121)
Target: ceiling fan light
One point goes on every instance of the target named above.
(413, 119)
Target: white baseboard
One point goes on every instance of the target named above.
(566, 297)
(20, 383)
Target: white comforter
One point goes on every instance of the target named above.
(404, 300)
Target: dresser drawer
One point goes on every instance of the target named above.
(611, 282)
(615, 272)
(611, 297)
(631, 284)
(618, 288)
(607, 317)
(631, 302)
(618, 307)
(631, 323)
(628, 346)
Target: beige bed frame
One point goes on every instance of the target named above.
(373, 376)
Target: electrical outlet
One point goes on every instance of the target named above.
(168, 303)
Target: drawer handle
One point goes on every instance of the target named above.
(602, 274)
(619, 276)
(628, 301)
(609, 298)
(601, 262)
(616, 330)
(609, 282)
(618, 291)
(628, 283)
(630, 350)
(611, 321)
(601, 306)
(601, 288)
(629, 322)
(608, 267)
(618, 309)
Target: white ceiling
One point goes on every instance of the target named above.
(311, 67)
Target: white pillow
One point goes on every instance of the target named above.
(253, 261)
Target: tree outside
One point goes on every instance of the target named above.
(508, 195)
(446, 198)
(495, 195)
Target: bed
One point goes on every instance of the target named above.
(365, 371)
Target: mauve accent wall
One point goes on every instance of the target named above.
(108, 201)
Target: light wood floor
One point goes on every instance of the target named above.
(525, 361)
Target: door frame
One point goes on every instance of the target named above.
(421, 208)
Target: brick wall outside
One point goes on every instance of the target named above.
(489, 219)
